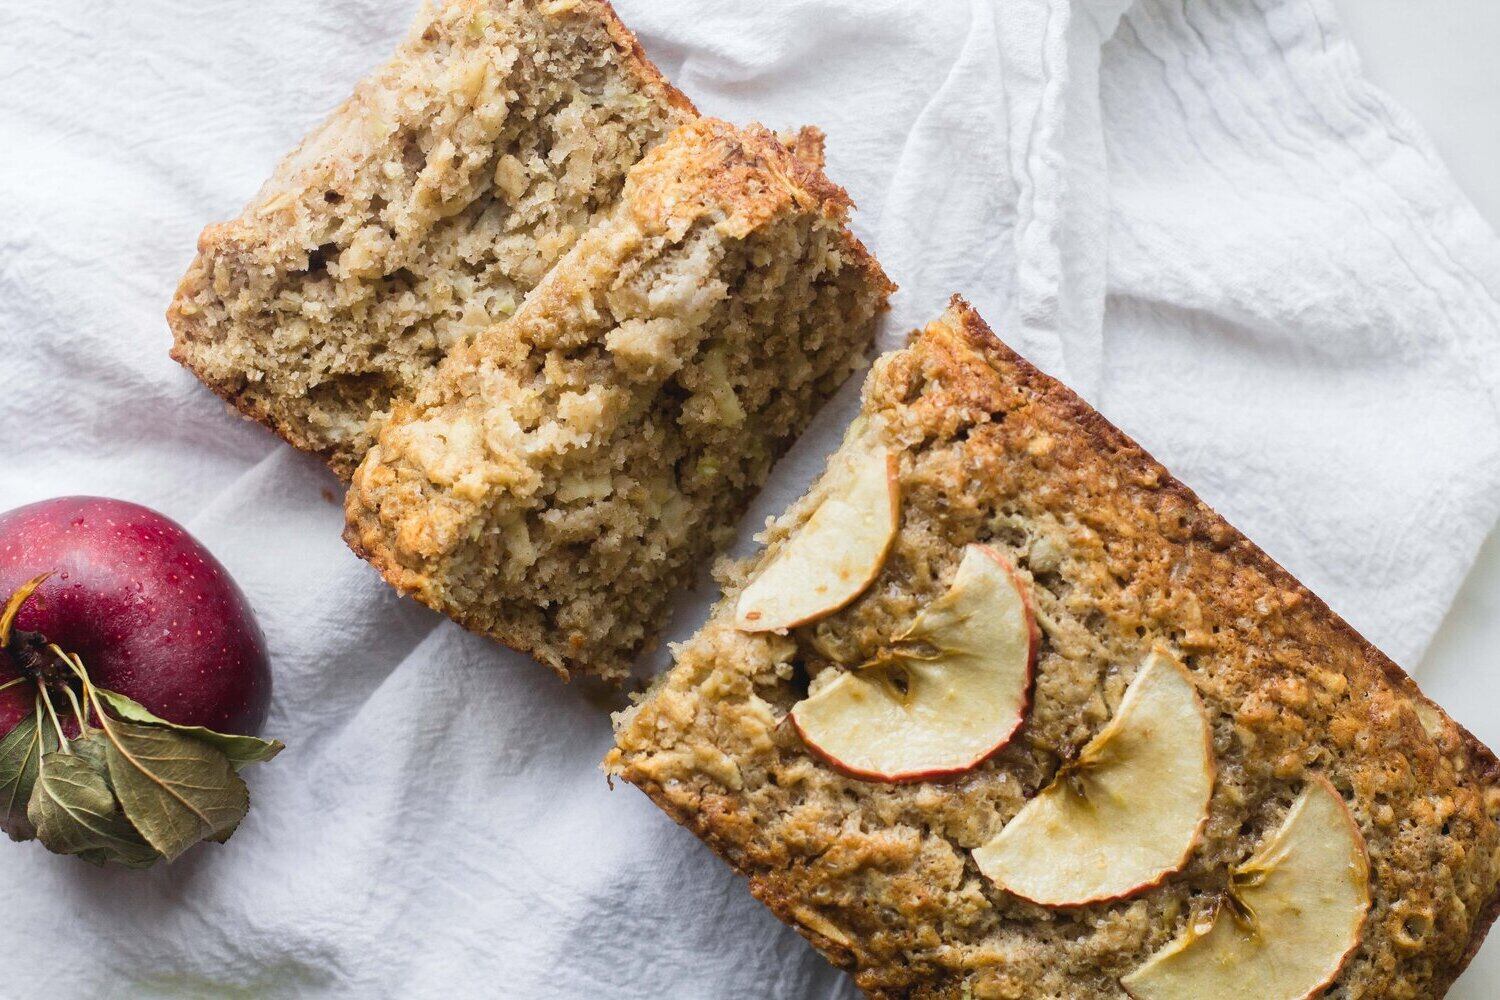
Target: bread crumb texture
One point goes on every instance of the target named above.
(1119, 556)
(565, 470)
(424, 209)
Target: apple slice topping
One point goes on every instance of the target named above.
(835, 555)
(1289, 919)
(1126, 812)
(949, 691)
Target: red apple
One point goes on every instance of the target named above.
(150, 612)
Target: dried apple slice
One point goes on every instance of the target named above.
(950, 691)
(837, 552)
(1290, 919)
(1127, 812)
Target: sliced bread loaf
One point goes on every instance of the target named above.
(423, 209)
(1061, 731)
(561, 474)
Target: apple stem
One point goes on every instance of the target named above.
(28, 655)
(886, 668)
(78, 712)
(1240, 910)
(75, 663)
(52, 713)
(71, 661)
(1073, 775)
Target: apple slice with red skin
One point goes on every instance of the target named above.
(950, 692)
(1290, 919)
(149, 610)
(838, 551)
(1127, 812)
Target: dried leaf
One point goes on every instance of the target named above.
(240, 750)
(20, 756)
(92, 747)
(175, 790)
(221, 838)
(75, 812)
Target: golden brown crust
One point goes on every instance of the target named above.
(806, 145)
(1120, 555)
(748, 175)
(651, 78)
(724, 169)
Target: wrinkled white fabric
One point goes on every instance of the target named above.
(1201, 216)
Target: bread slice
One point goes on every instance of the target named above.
(424, 208)
(561, 475)
(1118, 557)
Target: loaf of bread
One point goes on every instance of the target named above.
(1004, 710)
(422, 210)
(565, 471)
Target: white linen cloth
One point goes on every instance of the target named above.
(1202, 217)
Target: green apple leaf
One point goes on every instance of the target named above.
(240, 750)
(175, 789)
(74, 811)
(21, 753)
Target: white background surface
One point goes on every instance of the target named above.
(1437, 57)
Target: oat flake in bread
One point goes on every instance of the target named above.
(566, 470)
(423, 209)
(1337, 788)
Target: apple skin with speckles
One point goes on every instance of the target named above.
(150, 611)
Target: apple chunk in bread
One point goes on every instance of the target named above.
(838, 551)
(949, 692)
(1290, 918)
(1124, 814)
